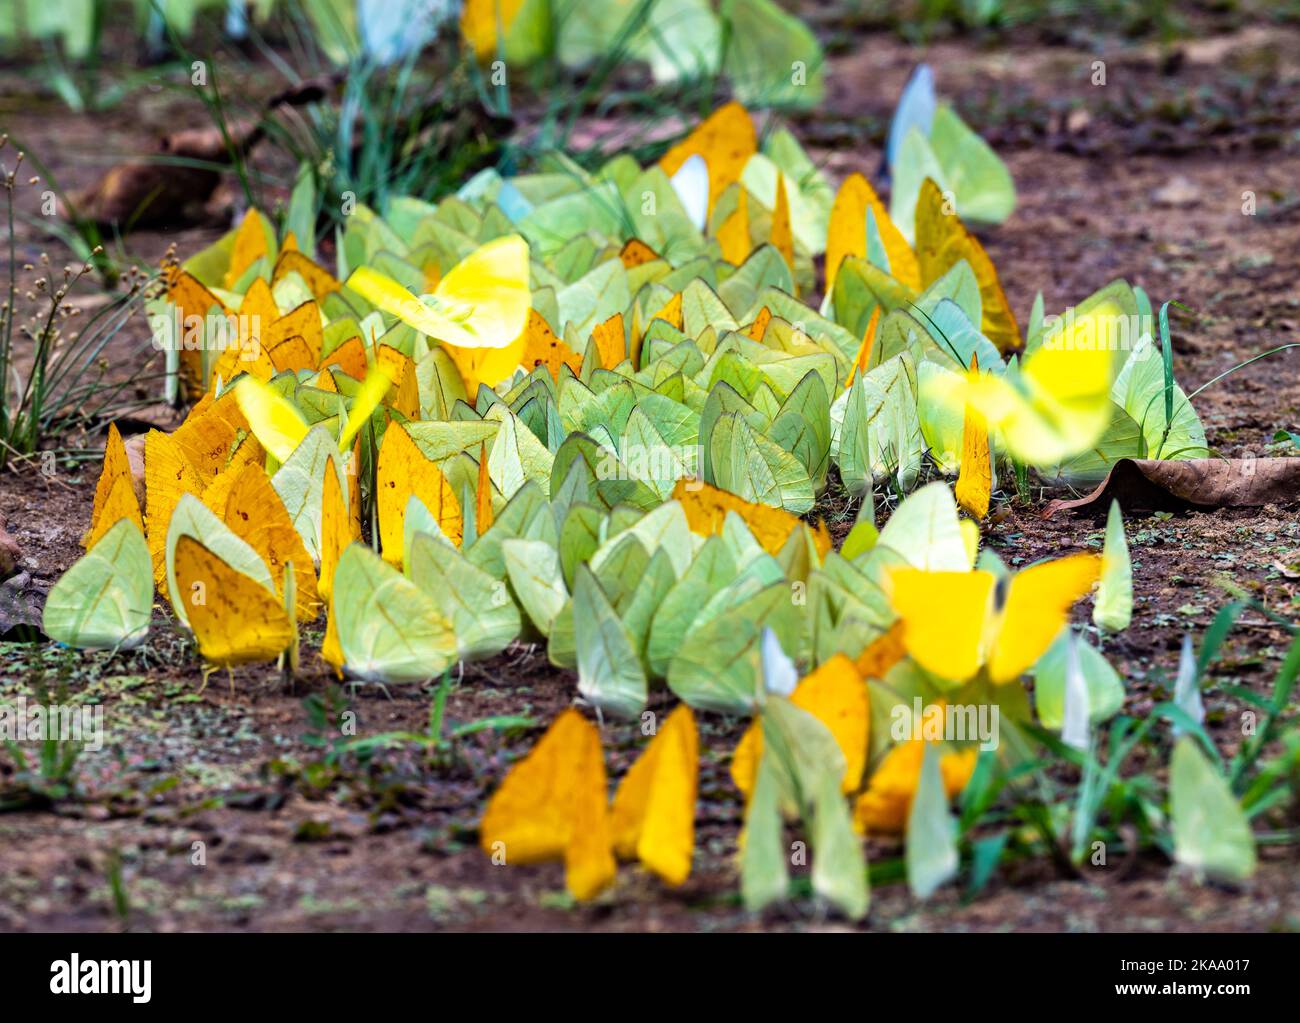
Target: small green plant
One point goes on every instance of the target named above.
(55, 374)
(117, 887)
(40, 781)
(324, 713)
(1115, 805)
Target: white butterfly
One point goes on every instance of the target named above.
(691, 183)
(779, 673)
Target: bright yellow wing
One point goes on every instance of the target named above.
(942, 240)
(846, 234)
(367, 399)
(1057, 406)
(944, 616)
(235, 619)
(552, 805)
(167, 475)
(487, 292)
(1037, 605)
(255, 513)
(1069, 376)
(654, 807)
(401, 473)
(275, 422)
(482, 303)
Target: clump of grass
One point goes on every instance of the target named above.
(55, 374)
(48, 776)
(1116, 798)
(365, 132)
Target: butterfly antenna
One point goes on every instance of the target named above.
(938, 330)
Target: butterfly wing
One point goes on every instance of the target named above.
(488, 292)
(691, 183)
(916, 109)
(277, 425)
(1037, 604)
(105, 600)
(653, 816)
(941, 242)
(1054, 408)
(944, 616)
(235, 619)
(402, 472)
(725, 139)
(388, 629)
(1068, 380)
(367, 399)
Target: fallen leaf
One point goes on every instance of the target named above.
(1155, 485)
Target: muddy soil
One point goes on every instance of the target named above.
(218, 808)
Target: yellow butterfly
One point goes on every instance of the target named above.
(255, 513)
(1056, 405)
(836, 695)
(706, 508)
(115, 497)
(235, 619)
(883, 808)
(846, 233)
(956, 623)
(482, 303)
(552, 806)
(653, 816)
(168, 476)
(280, 427)
(941, 242)
(402, 472)
(975, 480)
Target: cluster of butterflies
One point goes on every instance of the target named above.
(766, 54)
(587, 410)
(961, 630)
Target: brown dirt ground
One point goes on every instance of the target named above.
(393, 845)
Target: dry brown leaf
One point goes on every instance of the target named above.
(1147, 484)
